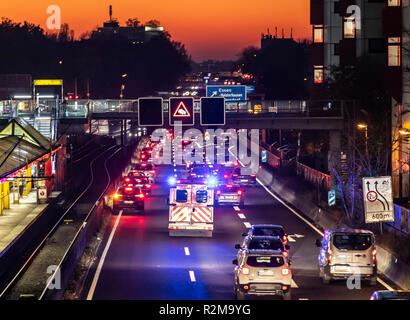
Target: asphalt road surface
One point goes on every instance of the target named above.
(143, 262)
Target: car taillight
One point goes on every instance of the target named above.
(149, 152)
(218, 192)
(236, 164)
(235, 175)
(245, 270)
(143, 156)
(329, 255)
(128, 189)
(239, 192)
(117, 195)
(140, 195)
(152, 171)
(225, 176)
(285, 271)
(374, 255)
(285, 239)
(148, 186)
(138, 180)
(253, 175)
(285, 254)
(143, 164)
(127, 179)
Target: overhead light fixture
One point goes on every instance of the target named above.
(22, 96)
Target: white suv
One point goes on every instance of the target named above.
(262, 272)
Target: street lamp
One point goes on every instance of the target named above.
(123, 85)
(364, 126)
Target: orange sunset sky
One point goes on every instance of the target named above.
(212, 29)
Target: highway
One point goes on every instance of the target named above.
(138, 260)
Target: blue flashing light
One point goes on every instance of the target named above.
(172, 181)
(211, 181)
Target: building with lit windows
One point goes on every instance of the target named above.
(344, 30)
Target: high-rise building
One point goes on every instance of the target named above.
(344, 30)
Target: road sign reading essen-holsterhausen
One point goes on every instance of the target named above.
(378, 199)
(230, 93)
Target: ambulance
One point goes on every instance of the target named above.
(191, 210)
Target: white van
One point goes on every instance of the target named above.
(346, 252)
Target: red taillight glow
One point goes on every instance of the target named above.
(245, 270)
(117, 195)
(148, 186)
(127, 179)
(235, 175)
(329, 257)
(285, 239)
(152, 171)
(285, 271)
(140, 195)
(218, 192)
(229, 186)
(128, 189)
(143, 164)
(225, 176)
(236, 164)
(239, 192)
(143, 156)
(374, 255)
(253, 175)
(285, 254)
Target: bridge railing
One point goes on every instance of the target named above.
(313, 176)
(82, 108)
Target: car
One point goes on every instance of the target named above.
(141, 181)
(262, 272)
(128, 197)
(199, 173)
(347, 252)
(268, 230)
(264, 243)
(223, 175)
(147, 169)
(243, 177)
(391, 295)
(229, 195)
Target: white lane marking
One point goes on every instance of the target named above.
(192, 276)
(241, 215)
(187, 253)
(290, 239)
(101, 263)
(293, 284)
(384, 284)
(307, 222)
(290, 209)
(298, 235)
(303, 299)
(236, 208)
(247, 224)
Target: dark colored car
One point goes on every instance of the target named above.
(230, 195)
(243, 177)
(128, 197)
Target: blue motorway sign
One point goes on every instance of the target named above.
(230, 93)
(331, 198)
(264, 158)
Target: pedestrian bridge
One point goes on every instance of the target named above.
(266, 114)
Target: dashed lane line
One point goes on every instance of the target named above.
(236, 208)
(241, 215)
(192, 276)
(187, 253)
(247, 224)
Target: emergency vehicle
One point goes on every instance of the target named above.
(191, 210)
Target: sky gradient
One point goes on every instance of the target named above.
(212, 29)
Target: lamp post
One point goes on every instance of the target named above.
(364, 126)
(123, 85)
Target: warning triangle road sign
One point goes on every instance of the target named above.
(181, 111)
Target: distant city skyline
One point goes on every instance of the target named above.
(231, 24)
